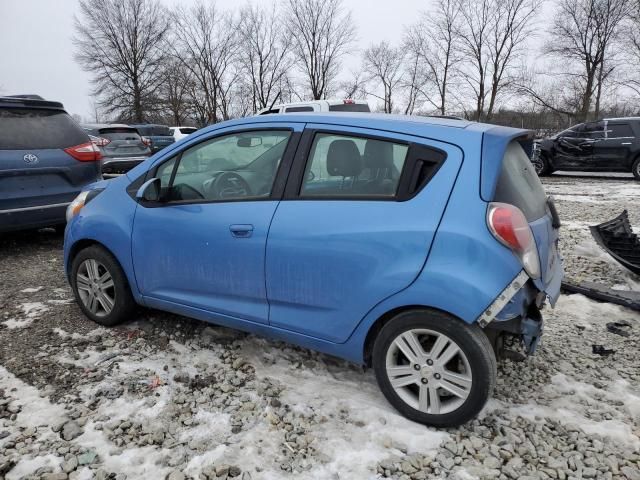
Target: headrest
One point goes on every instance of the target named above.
(378, 154)
(344, 159)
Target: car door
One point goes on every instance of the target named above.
(357, 220)
(203, 246)
(612, 153)
(573, 149)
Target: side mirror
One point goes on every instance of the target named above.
(149, 191)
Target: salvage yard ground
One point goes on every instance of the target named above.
(168, 397)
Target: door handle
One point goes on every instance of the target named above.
(241, 231)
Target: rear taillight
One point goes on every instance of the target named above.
(85, 152)
(101, 141)
(510, 227)
(146, 141)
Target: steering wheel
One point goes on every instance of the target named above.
(228, 185)
(182, 191)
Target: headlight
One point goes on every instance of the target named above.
(80, 201)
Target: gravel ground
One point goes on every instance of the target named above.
(168, 397)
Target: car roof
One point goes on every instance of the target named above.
(444, 129)
(29, 101)
(98, 126)
(622, 119)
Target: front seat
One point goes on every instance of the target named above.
(378, 160)
(344, 160)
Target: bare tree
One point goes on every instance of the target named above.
(120, 43)
(383, 64)
(580, 40)
(265, 54)
(206, 42)
(434, 40)
(177, 80)
(320, 34)
(354, 86)
(493, 35)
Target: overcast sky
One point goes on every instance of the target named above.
(37, 51)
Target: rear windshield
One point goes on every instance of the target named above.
(118, 133)
(30, 129)
(519, 184)
(155, 131)
(187, 130)
(350, 107)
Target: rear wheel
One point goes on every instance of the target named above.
(433, 368)
(100, 287)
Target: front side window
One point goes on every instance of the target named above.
(231, 167)
(345, 166)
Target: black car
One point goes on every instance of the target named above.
(46, 159)
(609, 145)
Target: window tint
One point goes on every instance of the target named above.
(26, 128)
(299, 109)
(346, 166)
(238, 166)
(593, 130)
(519, 185)
(119, 133)
(619, 130)
(350, 107)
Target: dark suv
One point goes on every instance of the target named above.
(45, 161)
(609, 145)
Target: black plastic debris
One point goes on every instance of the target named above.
(619, 328)
(600, 350)
(618, 239)
(603, 293)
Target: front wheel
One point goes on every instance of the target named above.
(636, 169)
(541, 164)
(433, 368)
(100, 286)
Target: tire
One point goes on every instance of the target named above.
(85, 287)
(475, 366)
(636, 169)
(541, 165)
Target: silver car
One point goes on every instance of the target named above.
(121, 146)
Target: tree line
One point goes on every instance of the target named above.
(485, 60)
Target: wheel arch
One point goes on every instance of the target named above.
(385, 318)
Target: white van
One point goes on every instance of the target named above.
(346, 105)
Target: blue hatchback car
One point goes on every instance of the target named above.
(413, 245)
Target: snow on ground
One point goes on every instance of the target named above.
(167, 397)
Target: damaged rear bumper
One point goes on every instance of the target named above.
(516, 312)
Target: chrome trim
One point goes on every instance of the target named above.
(505, 296)
(39, 207)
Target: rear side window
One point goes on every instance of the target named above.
(344, 166)
(519, 185)
(350, 107)
(619, 130)
(27, 128)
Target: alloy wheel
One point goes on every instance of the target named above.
(538, 164)
(96, 287)
(428, 371)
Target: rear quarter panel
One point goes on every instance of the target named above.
(466, 268)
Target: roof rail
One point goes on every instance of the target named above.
(29, 101)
